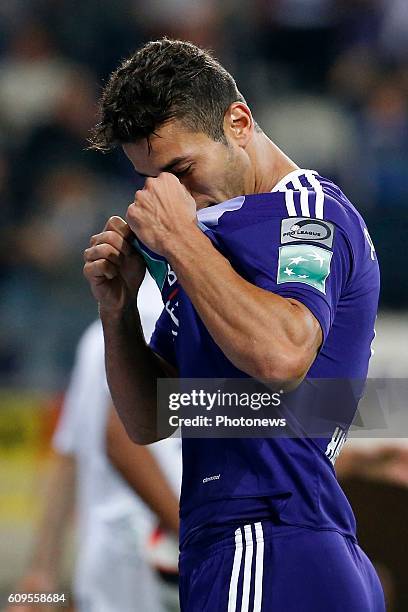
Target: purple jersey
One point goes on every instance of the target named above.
(306, 241)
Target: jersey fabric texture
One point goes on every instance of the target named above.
(306, 241)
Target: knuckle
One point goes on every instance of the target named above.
(104, 250)
(109, 251)
(112, 238)
(86, 270)
(131, 212)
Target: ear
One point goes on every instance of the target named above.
(238, 123)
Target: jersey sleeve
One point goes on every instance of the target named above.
(162, 341)
(328, 269)
(305, 270)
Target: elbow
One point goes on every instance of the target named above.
(137, 435)
(141, 437)
(285, 370)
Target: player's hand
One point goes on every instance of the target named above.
(114, 269)
(162, 213)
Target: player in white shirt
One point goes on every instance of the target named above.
(113, 524)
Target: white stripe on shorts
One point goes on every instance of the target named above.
(258, 567)
(249, 549)
(233, 588)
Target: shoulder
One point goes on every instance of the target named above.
(317, 210)
(309, 195)
(301, 194)
(303, 206)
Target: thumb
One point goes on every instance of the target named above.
(119, 225)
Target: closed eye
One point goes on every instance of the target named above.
(180, 173)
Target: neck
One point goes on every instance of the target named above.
(270, 164)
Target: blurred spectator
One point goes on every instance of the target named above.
(385, 138)
(394, 30)
(32, 75)
(293, 122)
(46, 303)
(327, 79)
(195, 20)
(300, 34)
(96, 34)
(60, 139)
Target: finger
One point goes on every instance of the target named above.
(119, 225)
(103, 251)
(101, 269)
(141, 196)
(113, 239)
(134, 215)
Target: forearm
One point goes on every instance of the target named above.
(151, 486)
(141, 471)
(260, 332)
(132, 371)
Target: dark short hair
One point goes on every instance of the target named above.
(165, 79)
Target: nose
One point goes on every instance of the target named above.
(194, 194)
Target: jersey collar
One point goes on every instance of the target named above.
(281, 185)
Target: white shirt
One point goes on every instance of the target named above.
(112, 520)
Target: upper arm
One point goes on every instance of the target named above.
(310, 324)
(139, 468)
(305, 272)
(314, 276)
(309, 275)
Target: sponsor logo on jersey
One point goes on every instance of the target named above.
(296, 229)
(304, 263)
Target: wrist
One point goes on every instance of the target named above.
(107, 313)
(117, 314)
(186, 246)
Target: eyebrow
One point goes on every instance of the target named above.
(167, 167)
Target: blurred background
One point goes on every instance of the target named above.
(327, 80)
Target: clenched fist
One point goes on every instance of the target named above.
(113, 267)
(163, 212)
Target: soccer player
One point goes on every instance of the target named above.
(266, 271)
